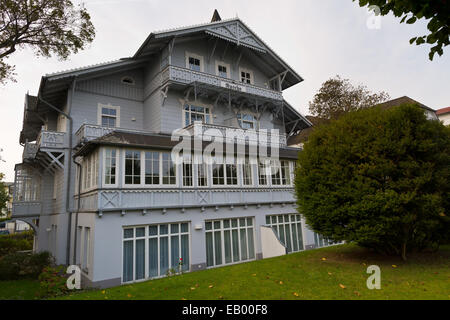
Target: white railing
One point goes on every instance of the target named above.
(240, 136)
(51, 139)
(29, 150)
(89, 132)
(187, 76)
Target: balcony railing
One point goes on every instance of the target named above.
(51, 140)
(240, 136)
(89, 132)
(29, 150)
(187, 76)
(26, 209)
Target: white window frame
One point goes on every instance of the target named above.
(202, 105)
(90, 172)
(269, 177)
(142, 173)
(195, 56)
(225, 176)
(278, 223)
(223, 64)
(239, 116)
(222, 240)
(246, 70)
(109, 106)
(104, 168)
(146, 239)
(241, 164)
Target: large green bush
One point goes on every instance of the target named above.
(16, 242)
(380, 178)
(23, 265)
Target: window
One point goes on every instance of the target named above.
(196, 113)
(90, 171)
(231, 170)
(223, 69)
(151, 251)
(246, 121)
(132, 167)
(152, 169)
(194, 62)
(218, 173)
(281, 174)
(246, 76)
(108, 116)
(247, 173)
(263, 172)
(86, 252)
(188, 180)
(288, 228)
(169, 170)
(320, 241)
(202, 173)
(110, 166)
(128, 80)
(229, 241)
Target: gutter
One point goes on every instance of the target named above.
(69, 164)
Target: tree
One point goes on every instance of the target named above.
(379, 178)
(47, 26)
(438, 11)
(338, 96)
(4, 194)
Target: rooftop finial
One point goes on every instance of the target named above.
(216, 16)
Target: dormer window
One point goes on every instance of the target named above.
(128, 80)
(246, 76)
(222, 69)
(194, 62)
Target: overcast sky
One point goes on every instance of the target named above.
(319, 39)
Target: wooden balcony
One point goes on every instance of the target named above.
(51, 140)
(187, 77)
(26, 209)
(29, 151)
(89, 132)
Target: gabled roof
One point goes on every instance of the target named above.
(232, 30)
(403, 100)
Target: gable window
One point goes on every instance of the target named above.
(246, 121)
(128, 80)
(194, 62)
(246, 76)
(132, 167)
(196, 113)
(222, 69)
(108, 116)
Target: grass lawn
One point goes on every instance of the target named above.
(18, 290)
(329, 273)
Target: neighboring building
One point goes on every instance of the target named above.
(299, 139)
(444, 115)
(430, 113)
(106, 130)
